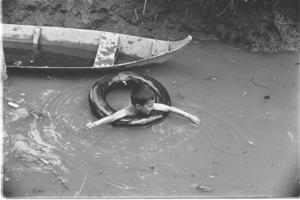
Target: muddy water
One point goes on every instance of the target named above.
(247, 144)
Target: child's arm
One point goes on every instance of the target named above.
(106, 120)
(166, 108)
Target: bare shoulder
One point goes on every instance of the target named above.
(121, 113)
(129, 110)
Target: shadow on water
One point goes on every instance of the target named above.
(246, 145)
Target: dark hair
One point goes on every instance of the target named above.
(141, 95)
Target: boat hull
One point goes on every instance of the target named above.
(85, 43)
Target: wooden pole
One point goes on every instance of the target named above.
(3, 76)
(3, 65)
(136, 15)
(2, 57)
(144, 7)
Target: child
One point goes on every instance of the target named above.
(142, 101)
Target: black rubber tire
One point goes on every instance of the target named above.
(100, 108)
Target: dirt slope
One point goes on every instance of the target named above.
(258, 26)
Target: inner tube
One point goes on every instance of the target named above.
(100, 108)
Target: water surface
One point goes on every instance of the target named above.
(247, 144)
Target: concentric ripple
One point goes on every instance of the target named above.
(42, 145)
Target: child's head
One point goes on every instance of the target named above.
(142, 97)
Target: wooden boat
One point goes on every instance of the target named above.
(107, 50)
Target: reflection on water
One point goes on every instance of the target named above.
(246, 144)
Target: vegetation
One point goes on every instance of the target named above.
(260, 25)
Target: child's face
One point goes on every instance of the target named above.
(147, 108)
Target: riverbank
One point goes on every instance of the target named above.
(256, 26)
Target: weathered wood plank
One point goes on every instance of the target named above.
(107, 50)
(36, 37)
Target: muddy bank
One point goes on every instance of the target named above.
(258, 26)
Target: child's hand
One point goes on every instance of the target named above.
(195, 119)
(90, 125)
